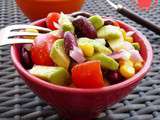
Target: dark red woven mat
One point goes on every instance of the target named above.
(19, 103)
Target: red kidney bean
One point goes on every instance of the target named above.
(85, 27)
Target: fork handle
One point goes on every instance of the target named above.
(135, 17)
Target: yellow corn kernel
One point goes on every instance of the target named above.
(129, 39)
(123, 33)
(88, 49)
(127, 71)
(30, 30)
(125, 62)
(138, 66)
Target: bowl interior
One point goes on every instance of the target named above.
(146, 52)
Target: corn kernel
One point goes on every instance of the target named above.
(127, 71)
(30, 30)
(129, 39)
(88, 49)
(138, 66)
(123, 33)
(125, 62)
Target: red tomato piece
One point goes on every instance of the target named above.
(41, 49)
(88, 75)
(51, 18)
(115, 23)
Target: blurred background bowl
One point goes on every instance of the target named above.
(36, 9)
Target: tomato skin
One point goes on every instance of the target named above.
(41, 49)
(116, 24)
(88, 75)
(52, 17)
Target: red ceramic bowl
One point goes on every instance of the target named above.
(36, 9)
(84, 104)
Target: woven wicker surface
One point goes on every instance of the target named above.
(19, 103)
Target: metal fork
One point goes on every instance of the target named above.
(12, 33)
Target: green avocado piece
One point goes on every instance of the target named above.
(85, 40)
(88, 40)
(101, 41)
(66, 24)
(55, 75)
(98, 45)
(109, 32)
(102, 49)
(106, 61)
(97, 21)
(116, 44)
(58, 54)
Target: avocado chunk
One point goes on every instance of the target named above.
(97, 21)
(116, 44)
(55, 75)
(85, 40)
(66, 24)
(98, 44)
(106, 61)
(102, 49)
(101, 41)
(58, 54)
(109, 32)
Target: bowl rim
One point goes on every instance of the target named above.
(137, 77)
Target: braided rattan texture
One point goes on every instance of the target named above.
(19, 103)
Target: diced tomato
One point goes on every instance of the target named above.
(41, 49)
(51, 18)
(88, 75)
(115, 23)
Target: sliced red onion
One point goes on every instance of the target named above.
(130, 33)
(69, 41)
(56, 25)
(77, 55)
(127, 46)
(62, 16)
(123, 54)
(135, 56)
(116, 55)
(57, 33)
